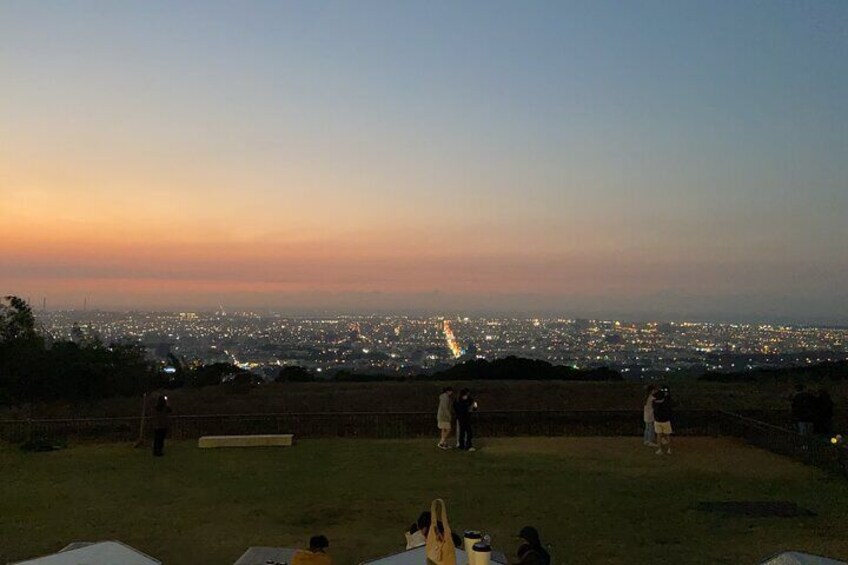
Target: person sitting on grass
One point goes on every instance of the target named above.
(316, 554)
(662, 420)
(531, 551)
(416, 536)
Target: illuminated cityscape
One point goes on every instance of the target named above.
(452, 342)
(409, 345)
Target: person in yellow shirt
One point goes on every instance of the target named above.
(315, 555)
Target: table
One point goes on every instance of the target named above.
(262, 555)
(417, 557)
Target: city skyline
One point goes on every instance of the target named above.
(305, 312)
(602, 160)
(400, 344)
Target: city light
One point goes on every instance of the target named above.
(453, 344)
(409, 345)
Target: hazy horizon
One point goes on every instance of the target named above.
(644, 159)
(446, 312)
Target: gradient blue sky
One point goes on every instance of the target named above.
(644, 159)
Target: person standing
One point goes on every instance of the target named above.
(445, 416)
(803, 410)
(316, 554)
(663, 411)
(823, 422)
(463, 409)
(649, 438)
(161, 425)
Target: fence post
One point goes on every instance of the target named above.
(140, 440)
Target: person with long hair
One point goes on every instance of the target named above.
(316, 554)
(416, 535)
(531, 551)
(650, 436)
(445, 416)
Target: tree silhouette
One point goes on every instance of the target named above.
(16, 320)
(67, 370)
(294, 374)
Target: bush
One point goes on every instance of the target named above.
(295, 374)
(42, 443)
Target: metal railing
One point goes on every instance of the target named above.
(774, 435)
(363, 424)
(812, 450)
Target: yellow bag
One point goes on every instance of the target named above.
(440, 548)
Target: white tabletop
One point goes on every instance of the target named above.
(264, 555)
(100, 553)
(417, 556)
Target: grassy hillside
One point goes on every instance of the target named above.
(597, 500)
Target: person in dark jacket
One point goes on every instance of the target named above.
(823, 416)
(663, 411)
(161, 425)
(803, 410)
(531, 551)
(463, 408)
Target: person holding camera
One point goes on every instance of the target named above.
(463, 409)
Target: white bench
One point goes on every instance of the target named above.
(265, 440)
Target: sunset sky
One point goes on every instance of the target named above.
(638, 159)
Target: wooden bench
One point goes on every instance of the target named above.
(266, 440)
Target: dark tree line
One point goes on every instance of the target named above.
(34, 367)
(518, 368)
(198, 375)
(508, 368)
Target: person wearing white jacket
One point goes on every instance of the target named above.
(445, 416)
(650, 436)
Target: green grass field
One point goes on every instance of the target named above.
(597, 500)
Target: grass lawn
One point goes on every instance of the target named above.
(597, 500)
